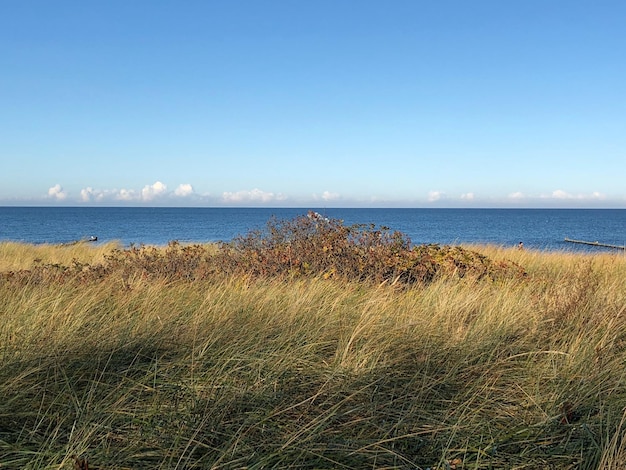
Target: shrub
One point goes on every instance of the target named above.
(307, 246)
(312, 245)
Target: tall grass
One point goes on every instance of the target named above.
(16, 256)
(135, 370)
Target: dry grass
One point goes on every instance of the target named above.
(233, 371)
(16, 256)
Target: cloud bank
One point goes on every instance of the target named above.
(184, 194)
(253, 196)
(158, 193)
(149, 193)
(560, 194)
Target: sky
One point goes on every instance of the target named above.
(325, 103)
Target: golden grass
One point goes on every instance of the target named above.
(231, 372)
(14, 256)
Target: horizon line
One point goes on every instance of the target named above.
(130, 206)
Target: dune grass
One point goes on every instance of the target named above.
(232, 371)
(15, 256)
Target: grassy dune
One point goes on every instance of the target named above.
(14, 256)
(135, 370)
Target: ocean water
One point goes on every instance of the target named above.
(541, 229)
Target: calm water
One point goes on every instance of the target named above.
(543, 229)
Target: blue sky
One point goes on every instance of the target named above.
(325, 103)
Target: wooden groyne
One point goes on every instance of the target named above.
(604, 245)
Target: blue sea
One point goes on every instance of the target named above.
(540, 229)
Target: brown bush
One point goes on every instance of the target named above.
(312, 245)
(305, 246)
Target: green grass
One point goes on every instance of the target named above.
(132, 369)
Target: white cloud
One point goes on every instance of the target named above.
(89, 194)
(255, 195)
(434, 196)
(86, 194)
(152, 191)
(329, 196)
(183, 190)
(158, 193)
(126, 195)
(148, 193)
(56, 192)
(560, 194)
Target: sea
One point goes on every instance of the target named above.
(538, 229)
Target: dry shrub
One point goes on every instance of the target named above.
(313, 245)
(310, 246)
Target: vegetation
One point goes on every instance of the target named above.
(22, 256)
(311, 345)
